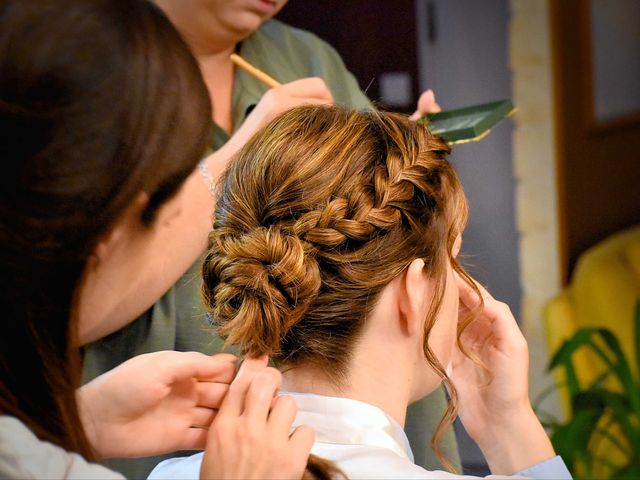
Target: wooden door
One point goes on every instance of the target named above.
(598, 159)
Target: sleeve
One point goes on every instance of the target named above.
(552, 469)
(181, 468)
(23, 455)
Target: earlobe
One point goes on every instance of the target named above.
(107, 243)
(416, 287)
(129, 220)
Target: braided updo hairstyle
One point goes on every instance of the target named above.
(318, 213)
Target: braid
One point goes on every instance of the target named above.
(333, 226)
(261, 275)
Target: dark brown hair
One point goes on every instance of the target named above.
(99, 101)
(318, 213)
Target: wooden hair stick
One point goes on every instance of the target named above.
(251, 70)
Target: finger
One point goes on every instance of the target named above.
(283, 413)
(498, 314)
(233, 403)
(301, 441)
(295, 102)
(427, 103)
(211, 394)
(261, 392)
(201, 417)
(185, 365)
(313, 87)
(225, 357)
(225, 373)
(479, 331)
(467, 295)
(195, 438)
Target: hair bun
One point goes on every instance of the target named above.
(257, 286)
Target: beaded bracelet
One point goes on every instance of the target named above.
(203, 168)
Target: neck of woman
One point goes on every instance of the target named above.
(212, 46)
(371, 378)
(218, 74)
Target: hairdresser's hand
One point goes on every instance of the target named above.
(250, 436)
(155, 403)
(494, 405)
(306, 91)
(426, 104)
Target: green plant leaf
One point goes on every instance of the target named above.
(628, 472)
(604, 433)
(636, 326)
(568, 347)
(589, 400)
(579, 438)
(620, 360)
(612, 467)
(618, 365)
(564, 357)
(599, 381)
(619, 405)
(571, 439)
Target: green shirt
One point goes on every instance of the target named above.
(288, 54)
(177, 321)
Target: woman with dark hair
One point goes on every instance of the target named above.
(103, 118)
(334, 251)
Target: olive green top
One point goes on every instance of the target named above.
(177, 321)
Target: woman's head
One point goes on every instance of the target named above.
(101, 108)
(317, 215)
(322, 210)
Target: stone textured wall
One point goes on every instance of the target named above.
(534, 157)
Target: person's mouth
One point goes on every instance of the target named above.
(270, 4)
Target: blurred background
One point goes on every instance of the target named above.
(554, 191)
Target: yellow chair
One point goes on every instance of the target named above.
(603, 292)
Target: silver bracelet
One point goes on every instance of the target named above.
(203, 168)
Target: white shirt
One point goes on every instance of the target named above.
(362, 440)
(23, 455)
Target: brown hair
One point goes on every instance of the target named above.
(317, 214)
(99, 100)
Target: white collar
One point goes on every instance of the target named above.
(345, 421)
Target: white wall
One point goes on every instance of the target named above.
(468, 64)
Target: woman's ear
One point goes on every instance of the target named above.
(123, 228)
(417, 291)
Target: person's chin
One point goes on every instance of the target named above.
(249, 23)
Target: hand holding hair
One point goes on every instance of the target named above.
(155, 403)
(492, 386)
(250, 436)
